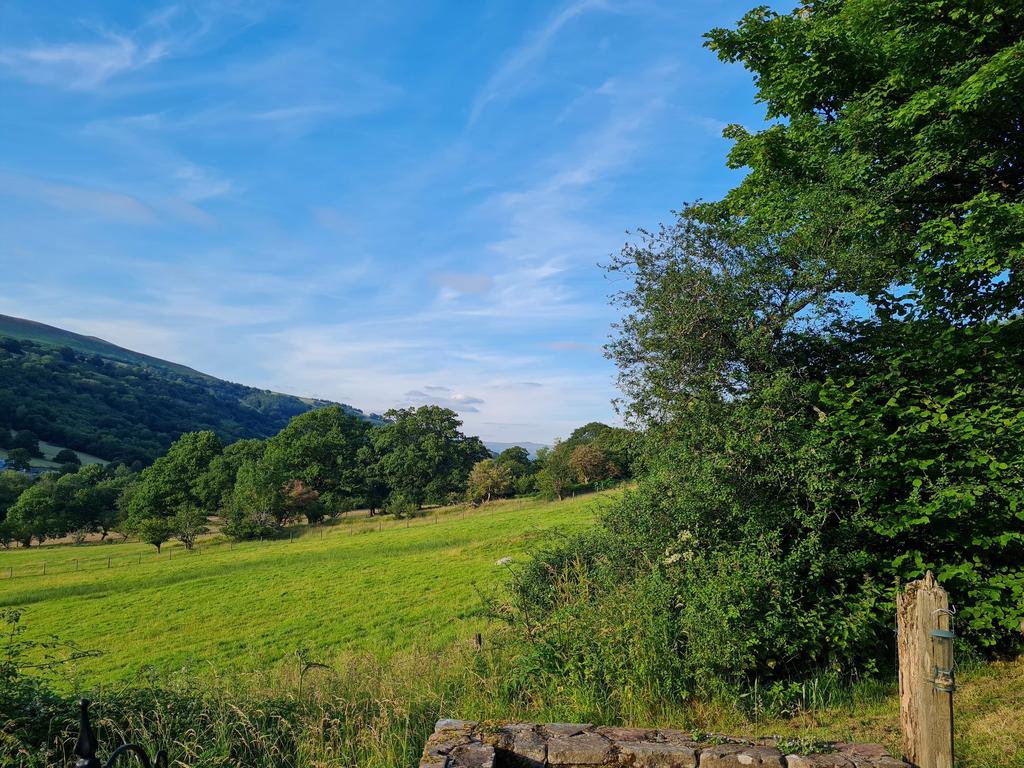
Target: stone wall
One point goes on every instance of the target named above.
(463, 744)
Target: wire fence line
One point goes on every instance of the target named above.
(220, 545)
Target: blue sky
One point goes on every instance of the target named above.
(386, 204)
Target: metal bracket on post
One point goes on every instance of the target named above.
(927, 681)
(86, 746)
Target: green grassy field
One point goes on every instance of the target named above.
(364, 585)
(49, 450)
(391, 606)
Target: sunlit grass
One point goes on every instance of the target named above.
(377, 586)
(202, 652)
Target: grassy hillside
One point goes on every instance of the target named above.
(411, 584)
(49, 450)
(115, 404)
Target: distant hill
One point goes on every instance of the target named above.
(93, 396)
(30, 330)
(531, 448)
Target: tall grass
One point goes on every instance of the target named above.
(360, 711)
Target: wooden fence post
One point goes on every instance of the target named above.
(924, 640)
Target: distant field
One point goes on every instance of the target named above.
(49, 450)
(410, 585)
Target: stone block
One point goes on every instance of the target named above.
(830, 760)
(472, 755)
(738, 755)
(583, 749)
(461, 726)
(530, 748)
(869, 756)
(627, 734)
(650, 754)
(518, 745)
(671, 736)
(440, 744)
(565, 729)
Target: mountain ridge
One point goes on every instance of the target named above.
(91, 395)
(274, 405)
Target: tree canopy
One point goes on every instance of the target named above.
(827, 364)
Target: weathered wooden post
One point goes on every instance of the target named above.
(925, 643)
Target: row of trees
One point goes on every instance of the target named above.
(323, 463)
(57, 505)
(592, 454)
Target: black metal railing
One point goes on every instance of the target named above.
(86, 746)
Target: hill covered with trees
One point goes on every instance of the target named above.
(89, 395)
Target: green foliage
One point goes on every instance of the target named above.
(488, 480)
(66, 456)
(127, 407)
(424, 457)
(12, 485)
(589, 463)
(827, 365)
(556, 474)
(187, 525)
(215, 486)
(920, 444)
(175, 480)
(19, 459)
(36, 514)
(258, 504)
(154, 530)
(897, 158)
(74, 503)
(27, 441)
(322, 448)
(518, 462)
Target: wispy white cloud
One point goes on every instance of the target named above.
(517, 67)
(80, 66)
(548, 228)
(77, 199)
(380, 366)
(109, 53)
(456, 401)
(197, 183)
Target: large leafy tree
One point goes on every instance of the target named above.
(556, 473)
(424, 456)
(895, 155)
(37, 513)
(488, 480)
(517, 460)
(258, 503)
(176, 479)
(322, 448)
(898, 161)
(827, 361)
(215, 486)
(12, 485)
